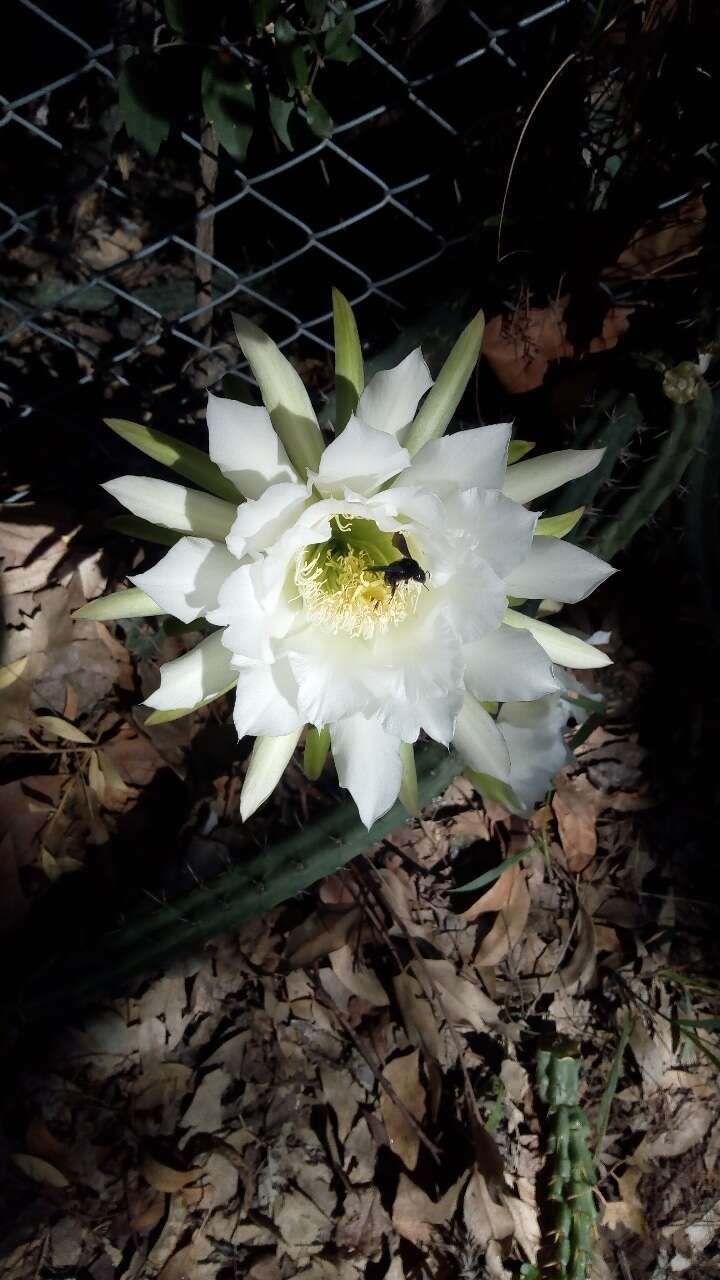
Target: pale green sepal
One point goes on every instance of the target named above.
(408, 794)
(131, 602)
(184, 459)
(145, 530)
(349, 372)
(517, 450)
(561, 647)
(559, 526)
(317, 745)
(444, 397)
(176, 713)
(496, 791)
(534, 477)
(284, 395)
(269, 759)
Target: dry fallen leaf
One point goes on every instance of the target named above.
(404, 1076)
(521, 347)
(508, 928)
(325, 931)
(577, 805)
(358, 977)
(40, 1170)
(415, 1216)
(164, 1178)
(662, 244)
(484, 1218)
(628, 1210)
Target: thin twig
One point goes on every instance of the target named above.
(324, 999)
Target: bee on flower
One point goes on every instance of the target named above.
(361, 586)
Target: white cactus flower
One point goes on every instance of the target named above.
(363, 585)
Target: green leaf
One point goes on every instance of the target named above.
(444, 397)
(318, 119)
(316, 10)
(176, 713)
(495, 873)
(229, 104)
(347, 53)
(349, 372)
(559, 526)
(134, 527)
(280, 111)
(317, 745)
(144, 108)
(191, 20)
(263, 10)
(182, 458)
(518, 448)
(285, 33)
(297, 68)
(339, 36)
(131, 602)
(493, 789)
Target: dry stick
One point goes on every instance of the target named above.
(440, 1013)
(533, 109)
(205, 231)
(322, 997)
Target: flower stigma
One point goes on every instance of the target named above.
(341, 593)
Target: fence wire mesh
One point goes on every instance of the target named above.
(121, 272)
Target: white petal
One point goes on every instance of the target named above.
(265, 702)
(390, 400)
(534, 476)
(260, 522)
(253, 610)
(466, 460)
(187, 580)
(329, 671)
(270, 757)
(472, 601)
(199, 674)
(479, 742)
(361, 459)
(557, 570)
(533, 732)
(174, 506)
(368, 763)
(500, 530)
(508, 664)
(284, 394)
(560, 646)
(245, 445)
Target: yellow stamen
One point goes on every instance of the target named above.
(340, 594)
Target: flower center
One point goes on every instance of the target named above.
(344, 588)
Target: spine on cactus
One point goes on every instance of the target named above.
(568, 1245)
(615, 426)
(689, 424)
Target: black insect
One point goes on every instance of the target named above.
(404, 570)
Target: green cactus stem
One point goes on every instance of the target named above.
(153, 936)
(613, 427)
(689, 425)
(568, 1246)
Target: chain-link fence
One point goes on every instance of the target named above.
(120, 272)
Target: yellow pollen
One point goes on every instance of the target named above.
(340, 594)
